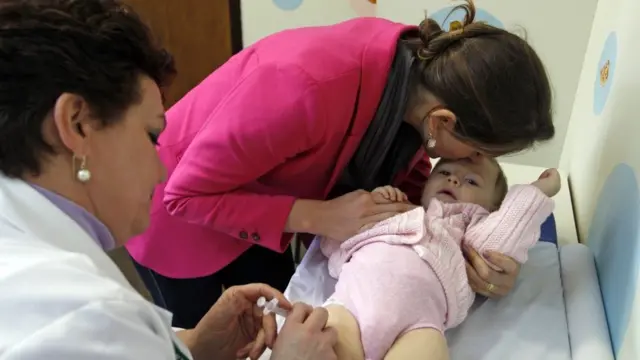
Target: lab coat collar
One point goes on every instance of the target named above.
(29, 211)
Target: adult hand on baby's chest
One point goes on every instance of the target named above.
(347, 215)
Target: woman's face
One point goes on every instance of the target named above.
(125, 166)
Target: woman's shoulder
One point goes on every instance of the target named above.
(54, 295)
(326, 52)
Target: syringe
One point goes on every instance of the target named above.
(271, 306)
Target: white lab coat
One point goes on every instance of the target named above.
(61, 296)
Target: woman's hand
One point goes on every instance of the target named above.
(305, 336)
(235, 326)
(347, 215)
(486, 281)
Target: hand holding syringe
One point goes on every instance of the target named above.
(271, 306)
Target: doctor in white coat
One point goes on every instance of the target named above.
(80, 113)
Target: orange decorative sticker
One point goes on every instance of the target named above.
(604, 73)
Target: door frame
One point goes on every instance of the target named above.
(235, 14)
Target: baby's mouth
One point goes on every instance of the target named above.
(449, 193)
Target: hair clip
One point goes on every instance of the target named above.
(420, 54)
(455, 26)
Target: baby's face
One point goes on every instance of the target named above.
(463, 181)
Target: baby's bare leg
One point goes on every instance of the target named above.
(349, 345)
(420, 344)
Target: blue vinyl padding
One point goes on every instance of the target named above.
(548, 231)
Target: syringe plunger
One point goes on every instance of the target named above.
(271, 306)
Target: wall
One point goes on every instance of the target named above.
(601, 156)
(559, 30)
(600, 126)
(264, 17)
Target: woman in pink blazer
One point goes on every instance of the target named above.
(290, 134)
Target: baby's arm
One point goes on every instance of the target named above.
(515, 227)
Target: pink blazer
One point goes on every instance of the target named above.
(278, 121)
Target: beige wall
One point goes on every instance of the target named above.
(596, 143)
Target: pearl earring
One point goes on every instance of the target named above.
(83, 175)
(431, 142)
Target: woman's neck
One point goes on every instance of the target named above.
(58, 178)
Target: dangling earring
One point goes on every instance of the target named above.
(83, 174)
(431, 142)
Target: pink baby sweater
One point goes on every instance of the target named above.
(437, 234)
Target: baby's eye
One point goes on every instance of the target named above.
(472, 182)
(445, 172)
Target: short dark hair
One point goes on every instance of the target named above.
(491, 79)
(96, 49)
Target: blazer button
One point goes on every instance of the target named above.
(255, 237)
(244, 235)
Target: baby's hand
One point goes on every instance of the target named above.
(388, 194)
(548, 182)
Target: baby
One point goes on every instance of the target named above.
(402, 283)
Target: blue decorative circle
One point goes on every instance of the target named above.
(600, 90)
(444, 17)
(288, 4)
(614, 238)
